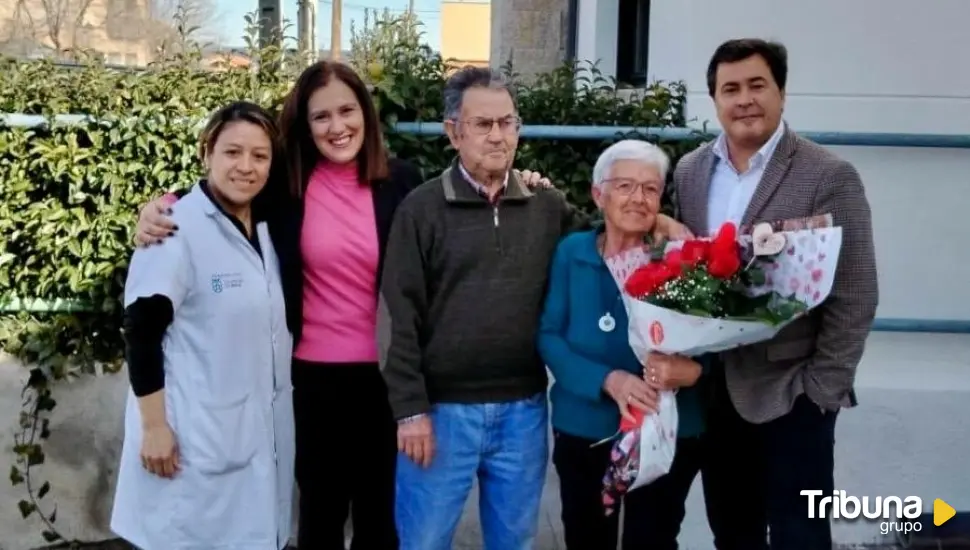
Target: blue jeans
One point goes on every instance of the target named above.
(504, 445)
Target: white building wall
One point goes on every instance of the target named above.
(859, 66)
(591, 44)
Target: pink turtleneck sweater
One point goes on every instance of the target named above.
(339, 248)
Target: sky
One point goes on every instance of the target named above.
(231, 13)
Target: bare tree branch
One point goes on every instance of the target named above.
(57, 14)
(65, 25)
(53, 17)
(198, 18)
(21, 23)
(20, 35)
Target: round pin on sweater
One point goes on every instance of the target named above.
(607, 323)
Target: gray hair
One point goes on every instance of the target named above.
(473, 77)
(630, 149)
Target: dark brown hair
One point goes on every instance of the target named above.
(774, 53)
(245, 111)
(301, 153)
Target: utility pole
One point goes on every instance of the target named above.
(307, 30)
(410, 18)
(270, 18)
(336, 19)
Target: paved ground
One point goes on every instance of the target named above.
(905, 438)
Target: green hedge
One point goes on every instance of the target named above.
(69, 195)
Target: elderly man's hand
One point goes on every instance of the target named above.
(670, 229)
(415, 438)
(669, 372)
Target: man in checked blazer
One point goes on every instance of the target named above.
(774, 405)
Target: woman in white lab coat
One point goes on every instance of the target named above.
(207, 460)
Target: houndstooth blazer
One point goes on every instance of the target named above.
(816, 355)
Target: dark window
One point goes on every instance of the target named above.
(572, 30)
(633, 42)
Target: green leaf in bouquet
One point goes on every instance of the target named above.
(759, 310)
(761, 302)
(754, 276)
(737, 302)
(787, 307)
(737, 285)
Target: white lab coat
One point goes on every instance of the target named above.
(228, 394)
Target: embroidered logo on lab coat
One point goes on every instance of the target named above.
(223, 281)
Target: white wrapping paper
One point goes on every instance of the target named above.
(804, 269)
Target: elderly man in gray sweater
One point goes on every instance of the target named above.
(463, 287)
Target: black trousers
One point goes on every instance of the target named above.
(346, 453)
(652, 513)
(752, 484)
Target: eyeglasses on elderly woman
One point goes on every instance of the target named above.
(626, 186)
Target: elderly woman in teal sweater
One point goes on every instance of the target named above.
(596, 372)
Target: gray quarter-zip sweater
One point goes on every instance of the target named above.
(463, 286)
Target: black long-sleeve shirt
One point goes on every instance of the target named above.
(146, 321)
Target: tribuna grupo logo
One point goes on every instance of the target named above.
(895, 514)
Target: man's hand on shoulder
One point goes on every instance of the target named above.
(534, 180)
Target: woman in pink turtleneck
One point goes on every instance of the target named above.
(340, 256)
(346, 436)
(330, 236)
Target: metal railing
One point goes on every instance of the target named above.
(860, 139)
(856, 139)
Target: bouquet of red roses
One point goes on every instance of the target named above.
(708, 295)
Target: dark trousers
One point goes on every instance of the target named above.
(346, 454)
(756, 472)
(652, 513)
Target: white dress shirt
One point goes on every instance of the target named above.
(730, 191)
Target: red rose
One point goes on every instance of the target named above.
(675, 261)
(723, 265)
(640, 283)
(694, 252)
(724, 258)
(727, 235)
(648, 278)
